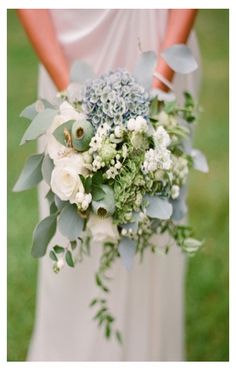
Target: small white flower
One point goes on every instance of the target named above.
(95, 143)
(103, 130)
(124, 150)
(111, 172)
(118, 165)
(118, 131)
(79, 197)
(161, 137)
(174, 191)
(84, 205)
(131, 124)
(141, 124)
(124, 232)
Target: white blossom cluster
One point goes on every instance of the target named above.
(158, 157)
(179, 169)
(138, 124)
(83, 200)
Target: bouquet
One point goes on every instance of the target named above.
(117, 158)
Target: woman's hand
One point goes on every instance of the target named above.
(40, 30)
(180, 23)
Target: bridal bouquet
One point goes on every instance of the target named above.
(116, 161)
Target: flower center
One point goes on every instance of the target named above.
(80, 132)
(101, 211)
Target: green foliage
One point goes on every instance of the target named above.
(42, 235)
(47, 168)
(39, 125)
(59, 133)
(31, 174)
(70, 223)
(69, 259)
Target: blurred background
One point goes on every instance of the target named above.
(207, 275)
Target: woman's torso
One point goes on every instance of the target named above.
(109, 38)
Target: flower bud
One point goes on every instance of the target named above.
(106, 206)
(82, 133)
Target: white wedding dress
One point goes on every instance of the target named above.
(148, 302)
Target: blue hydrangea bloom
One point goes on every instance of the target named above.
(114, 97)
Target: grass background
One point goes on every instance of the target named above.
(207, 276)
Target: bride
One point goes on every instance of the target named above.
(148, 302)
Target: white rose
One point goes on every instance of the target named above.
(102, 229)
(65, 182)
(73, 160)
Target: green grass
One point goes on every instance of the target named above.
(207, 276)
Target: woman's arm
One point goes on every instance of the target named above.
(180, 23)
(40, 30)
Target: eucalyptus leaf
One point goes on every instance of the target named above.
(31, 174)
(47, 168)
(70, 223)
(39, 125)
(59, 203)
(69, 259)
(53, 208)
(158, 207)
(59, 132)
(53, 256)
(144, 68)
(50, 197)
(180, 59)
(29, 112)
(58, 249)
(191, 245)
(127, 249)
(33, 109)
(80, 72)
(179, 205)
(42, 235)
(199, 161)
(97, 178)
(97, 193)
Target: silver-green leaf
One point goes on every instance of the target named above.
(39, 125)
(80, 72)
(143, 71)
(31, 174)
(42, 235)
(180, 58)
(199, 161)
(33, 109)
(127, 249)
(59, 132)
(47, 168)
(70, 223)
(159, 207)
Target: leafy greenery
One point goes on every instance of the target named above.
(207, 275)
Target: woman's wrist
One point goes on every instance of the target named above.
(164, 71)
